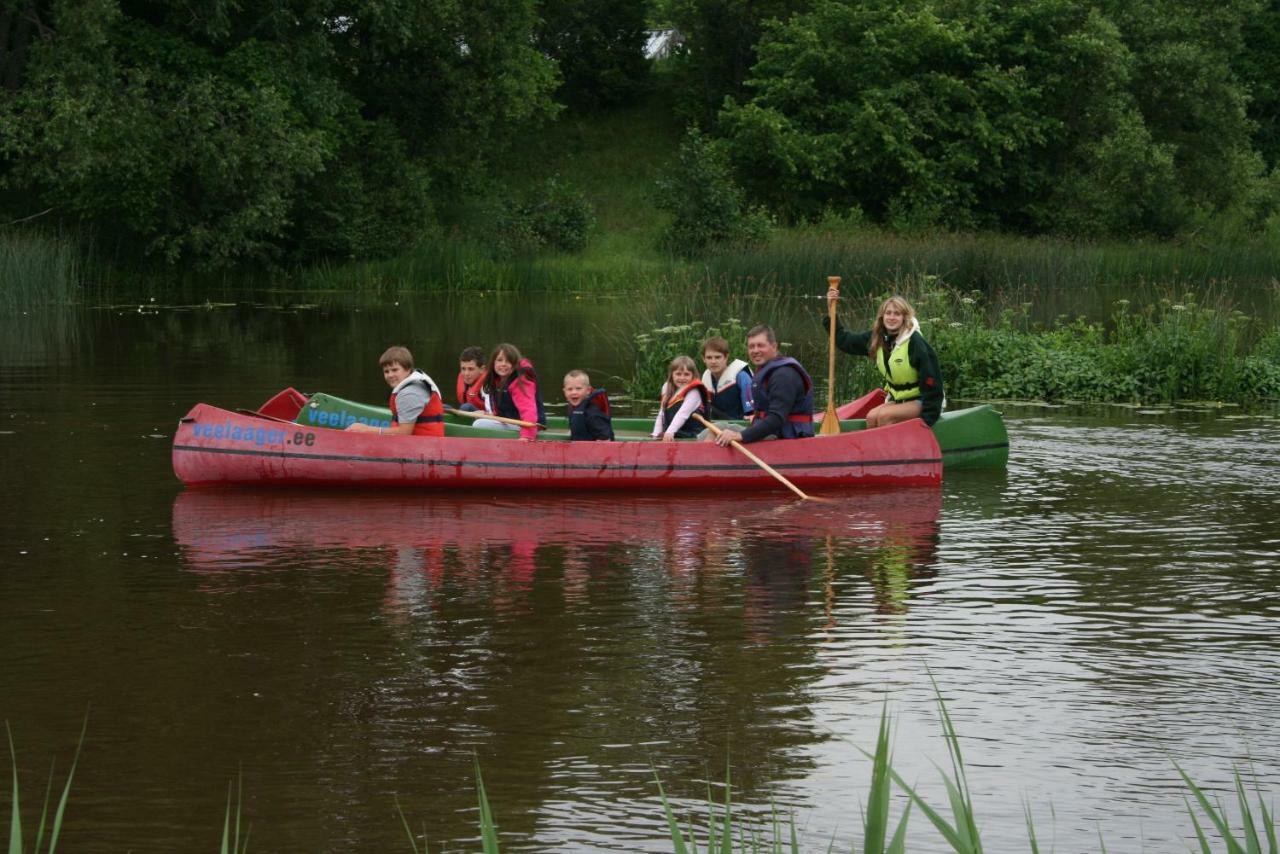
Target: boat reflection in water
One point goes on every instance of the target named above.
(565, 638)
(502, 547)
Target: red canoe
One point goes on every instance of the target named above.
(216, 447)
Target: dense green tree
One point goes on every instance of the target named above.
(224, 132)
(1258, 66)
(599, 48)
(1041, 116)
(720, 47)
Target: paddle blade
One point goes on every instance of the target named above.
(830, 425)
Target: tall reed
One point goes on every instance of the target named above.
(16, 838)
(37, 269)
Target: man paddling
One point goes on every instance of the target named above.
(781, 393)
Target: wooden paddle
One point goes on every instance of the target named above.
(474, 415)
(831, 420)
(716, 431)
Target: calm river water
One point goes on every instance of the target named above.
(1104, 608)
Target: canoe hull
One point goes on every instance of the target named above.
(217, 447)
(974, 437)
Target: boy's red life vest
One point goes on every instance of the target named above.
(471, 393)
(671, 406)
(430, 422)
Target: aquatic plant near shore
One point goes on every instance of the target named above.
(736, 832)
(16, 840)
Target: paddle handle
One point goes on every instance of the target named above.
(833, 283)
(716, 431)
(474, 415)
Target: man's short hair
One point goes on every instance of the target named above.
(763, 329)
(397, 356)
(472, 354)
(716, 344)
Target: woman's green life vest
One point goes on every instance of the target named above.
(901, 380)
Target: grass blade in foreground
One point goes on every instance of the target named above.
(677, 837)
(231, 841)
(1252, 843)
(15, 820)
(15, 826)
(488, 830)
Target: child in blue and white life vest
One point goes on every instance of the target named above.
(416, 406)
(682, 395)
(589, 418)
(728, 382)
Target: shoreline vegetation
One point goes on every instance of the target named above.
(747, 831)
(1046, 319)
(1110, 327)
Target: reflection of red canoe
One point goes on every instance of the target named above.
(221, 528)
(218, 447)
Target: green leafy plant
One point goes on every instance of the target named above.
(656, 348)
(16, 840)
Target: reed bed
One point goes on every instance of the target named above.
(37, 269)
(1166, 345)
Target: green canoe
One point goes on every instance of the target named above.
(974, 437)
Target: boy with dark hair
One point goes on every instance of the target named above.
(471, 376)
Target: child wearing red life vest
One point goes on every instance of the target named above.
(589, 418)
(471, 376)
(683, 394)
(416, 406)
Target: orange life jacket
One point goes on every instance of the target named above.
(471, 393)
(430, 421)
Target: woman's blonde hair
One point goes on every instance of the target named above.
(877, 329)
(669, 387)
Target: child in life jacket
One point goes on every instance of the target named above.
(416, 406)
(471, 380)
(512, 390)
(589, 418)
(682, 395)
(728, 382)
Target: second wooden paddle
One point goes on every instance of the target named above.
(715, 431)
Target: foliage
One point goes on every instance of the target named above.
(1049, 116)
(552, 215)
(301, 129)
(1172, 349)
(707, 204)
(656, 348)
(721, 38)
(599, 48)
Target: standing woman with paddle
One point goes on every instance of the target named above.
(912, 378)
(512, 387)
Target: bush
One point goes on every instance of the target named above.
(554, 216)
(709, 207)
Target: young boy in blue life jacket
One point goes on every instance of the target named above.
(589, 418)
